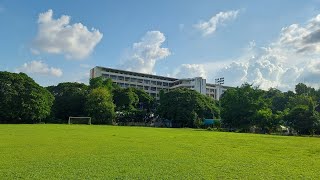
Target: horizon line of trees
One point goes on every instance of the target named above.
(242, 108)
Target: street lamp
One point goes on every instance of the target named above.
(219, 82)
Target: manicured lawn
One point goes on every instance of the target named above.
(109, 152)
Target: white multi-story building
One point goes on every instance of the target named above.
(153, 84)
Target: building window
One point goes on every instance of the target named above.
(113, 77)
(120, 78)
(133, 80)
(140, 81)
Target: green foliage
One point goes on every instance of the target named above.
(70, 99)
(301, 89)
(125, 99)
(99, 106)
(22, 99)
(247, 106)
(240, 105)
(265, 120)
(133, 105)
(145, 101)
(299, 100)
(278, 99)
(113, 152)
(186, 108)
(303, 119)
(100, 82)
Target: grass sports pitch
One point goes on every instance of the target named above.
(111, 152)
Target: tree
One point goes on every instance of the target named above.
(22, 99)
(240, 104)
(185, 107)
(265, 120)
(99, 106)
(70, 98)
(145, 101)
(303, 119)
(125, 99)
(301, 89)
(301, 100)
(278, 99)
(100, 82)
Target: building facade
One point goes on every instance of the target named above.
(153, 84)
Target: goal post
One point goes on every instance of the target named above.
(79, 120)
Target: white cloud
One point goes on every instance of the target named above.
(58, 36)
(290, 59)
(143, 55)
(38, 67)
(234, 73)
(303, 39)
(209, 27)
(190, 70)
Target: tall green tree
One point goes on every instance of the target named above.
(299, 100)
(186, 108)
(125, 99)
(145, 101)
(99, 106)
(22, 99)
(266, 121)
(240, 104)
(301, 89)
(278, 99)
(303, 120)
(100, 82)
(70, 98)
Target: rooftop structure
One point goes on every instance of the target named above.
(153, 84)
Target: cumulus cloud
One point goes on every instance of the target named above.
(234, 73)
(305, 39)
(58, 36)
(38, 67)
(143, 55)
(210, 26)
(190, 71)
(290, 59)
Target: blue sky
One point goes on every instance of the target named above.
(268, 43)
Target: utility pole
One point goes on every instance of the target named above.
(219, 82)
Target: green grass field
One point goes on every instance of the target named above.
(110, 152)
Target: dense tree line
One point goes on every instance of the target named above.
(102, 100)
(186, 108)
(245, 108)
(22, 100)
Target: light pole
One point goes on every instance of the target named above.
(219, 82)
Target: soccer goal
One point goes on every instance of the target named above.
(79, 120)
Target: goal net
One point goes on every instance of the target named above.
(79, 120)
